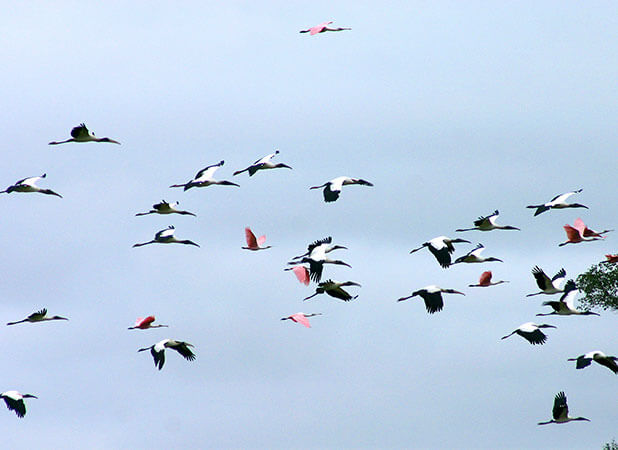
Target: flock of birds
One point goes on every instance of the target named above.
(309, 266)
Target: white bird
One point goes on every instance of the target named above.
(558, 202)
(165, 208)
(566, 305)
(547, 285)
(320, 245)
(485, 280)
(15, 401)
(474, 256)
(531, 332)
(441, 247)
(332, 188)
(158, 351)
(560, 411)
(81, 134)
(488, 223)
(432, 296)
(263, 164)
(597, 356)
(39, 316)
(166, 236)
(29, 185)
(335, 289)
(205, 178)
(317, 258)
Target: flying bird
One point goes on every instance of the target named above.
(145, 323)
(579, 232)
(332, 188)
(165, 208)
(15, 402)
(432, 296)
(158, 351)
(474, 256)
(531, 332)
(441, 247)
(558, 202)
(334, 289)
(488, 223)
(547, 285)
(485, 280)
(263, 164)
(205, 178)
(39, 316)
(81, 134)
(29, 185)
(610, 259)
(316, 257)
(560, 411)
(321, 28)
(166, 236)
(566, 306)
(301, 272)
(301, 318)
(254, 243)
(319, 246)
(597, 356)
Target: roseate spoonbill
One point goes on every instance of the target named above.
(263, 164)
(319, 246)
(611, 259)
(587, 232)
(29, 185)
(566, 306)
(441, 247)
(165, 208)
(576, 233)
(15, 402)
(558, 202)
(432, 296)
(145, 323)
(166, 236)
(488, 223)
(301, 318)
(598, 357)
(158, 351)
(81, 134)
(301, 272)
(205, 178)
(254, 243)
(485, 280)
(321, 28)
(560, 411)
(531, 332)
(547, 285)
(474, 256)
(334, 289)
(39, 316)
(332, 188)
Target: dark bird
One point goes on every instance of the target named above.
(441, 247)
(165, 208)
(598, 357)
(488, 223)
(560, 412)
(432, 296)
(531, 332)
(15, 402)
(334, 289)
(39, 316)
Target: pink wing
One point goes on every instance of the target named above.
(261, 240)
(300, 318)
(251, 241)
(580, 226)
(318, 28)
(302, 273)
(572, 234)
(612, 258)
(485, 278)
(144, 323)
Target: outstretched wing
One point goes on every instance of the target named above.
(79, 132)
(560, 410)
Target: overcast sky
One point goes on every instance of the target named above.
(452, 110)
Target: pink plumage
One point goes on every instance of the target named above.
(302, 273)
(254, 243)
(485, 278)
(318, 28)
(300, 318)
(145, 322)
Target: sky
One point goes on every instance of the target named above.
(451, 110)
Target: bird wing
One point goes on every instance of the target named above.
(443, 255)
(264, 159)
(573, 234)
(477, 250)
(79, 132)
(159, 357)
(16, 405)
(318, 28)
(562, 197)
(609, 362)
(300, 318)
(485, 219)
(583, 361)
(207, 172)
(340, 293)
(302, 274)
(485, 278)
(319, 242)
(534, 337)
(330, 194)
(570, 292)
(38, 315)
(145, 321)
(163, 234)
(315, 270)
(30, 181)
(542, 280)
(250, 237)
(561, 274)
(261, 240)
(560, 410)
(433, 302)
(184, 350)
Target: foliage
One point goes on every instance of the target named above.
(613, 445)
(600, 286)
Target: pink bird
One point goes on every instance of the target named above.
(587, 232)
(145, 323)
(301, 318)
(611, 259)
(577, 233)
(302, 273)
(321, 28)
(485, 280)
(254, 243)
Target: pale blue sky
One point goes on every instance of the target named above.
(452, 110)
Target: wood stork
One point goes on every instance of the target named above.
(15, 402)
(488, 223)
(205, 178)
(263, 164)
(579, 232)
(610, 259)
(531, 332)
(321, 28)
(146, 323)
(335, 289)
(560, 411)
(474, 256)
(316, 257)
(432, 296)
(597, 356)
(485, 280)
(166, 236)
(547, 285)
(558, 202)
(441, 247)
(302, 274)
(332, 188)
(165, 208)
(39, 316)
(81, 134)
(29, 185)
(321, 245)
(158, 351)
(254, 243)
(301, 318)
(566, 306)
